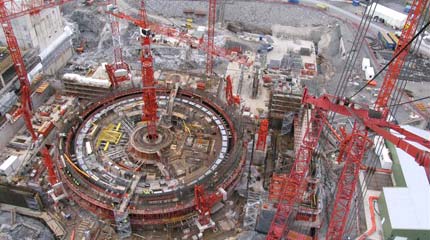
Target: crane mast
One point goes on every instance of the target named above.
(357, 143)
(263, 131)
(294, 185)
(211, 36)
(349, 176)
(119, 71)
(20, 70)
(10, 9)
(230, 97)
(149, 94)
(393, 72)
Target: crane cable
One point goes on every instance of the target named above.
(395, 103)
(348, 69)
(392, 59)
(347, 72)
(412, 101)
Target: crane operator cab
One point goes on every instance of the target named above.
(145, 32)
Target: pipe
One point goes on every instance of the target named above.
(372, 229)
(377, 170)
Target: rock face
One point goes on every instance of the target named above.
(330, 42)
(90, 26)
(240, 27)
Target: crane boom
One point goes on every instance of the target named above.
(349, 175)
(186, 38)
(149, 94)
(10, 9)
(293, 187)
(393, 72)
(375, 122)
(19, 8)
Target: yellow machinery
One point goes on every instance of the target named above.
(189, 23)
(110, 135)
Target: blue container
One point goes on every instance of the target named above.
(293, 1)
(356, 3)
(407, 9)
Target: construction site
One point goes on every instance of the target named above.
(206, 119)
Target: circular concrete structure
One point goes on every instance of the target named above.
(106, 157)
(144, 148)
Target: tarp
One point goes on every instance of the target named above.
(390, 16)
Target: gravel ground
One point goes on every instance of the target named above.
(249, 12)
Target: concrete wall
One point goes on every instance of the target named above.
(24, 33)
(383, 210)
(396, 168)
(61, 56)
(36, 31)
(48, 26)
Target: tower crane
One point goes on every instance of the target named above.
(10, 9)
(181, 36)
(231, 98)
(204, 203)
(119, 71)
(149, 94)
(262, 135)
(357, 144)
(211, 36)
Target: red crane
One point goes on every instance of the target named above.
(52, 177)
(10, 9)
(211, 36)
(119, 71)
(204, 203)
(356, 146)
(231, 98)
(393, 72)
(262, 134)
(149, 94)
(353, 157)
(293, 187)
(181, 36)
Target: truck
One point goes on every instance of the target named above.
(322, 6)
(386, 41)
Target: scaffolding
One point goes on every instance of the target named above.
(123, 226)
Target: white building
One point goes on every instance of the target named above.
(405, 208)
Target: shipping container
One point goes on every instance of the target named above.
(370, 73)
(365, 64)
(10, 165)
